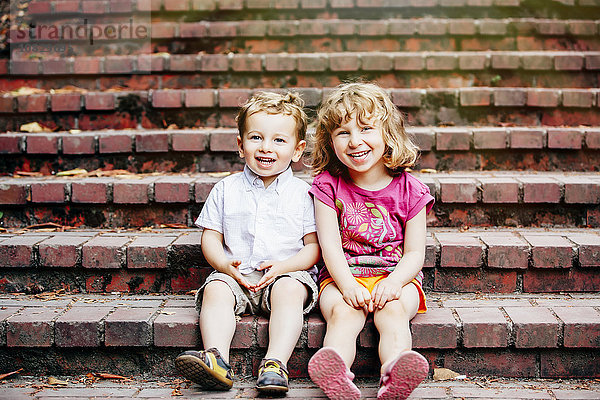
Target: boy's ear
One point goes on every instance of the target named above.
(299, 150)
(240, 147)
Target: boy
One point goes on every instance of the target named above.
(259, 235)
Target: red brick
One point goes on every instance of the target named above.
(223, 141)
(152, 142)
(202, 189)
(581, 190)
(409, 62)
(79, 144)
(578, 98)
(564, 138)
(244, 333)
(177, 327)
(453, 139)
(42, 144)
(94, 7)
(32, 327)
(543, 97)
(61, 251)
(120, 6)
(214, 62)
(193, 29)
(48, 192)
(25, 67)
(80, 327)
(190, 279)
(279, 62)
(560, 280)
(462, 26)
(124, 281)
(431, 251)
(582, 326)
(506, 61)
(200, 98)
(484, 327)
(129, 327)
(437, 329)
(252, 28)
(66, 102)
(588, 248)
(316, 331)
(10, 144)
(99, 101)
(344, 62)
(183, 62)
(313, 4)
(32, 103)
(313, 27)
(131, 192)
(592, 138)
(592, 62)
(104, 252)
(499, 190)
(17, 250)
(87, 65)
(166, 98)
(470, 97)
(230, 4)
(540, 190)
(90, 191)
(118, 64)
(458, 190)
(574, 364)
(571, 62)
(441, 62)
(472, 62)
(459, 250)
(424, 138)
(581, 28)
(475, 280)
(172, 190)
(39, 7)
(510, 97)
(13, 192)
(407, 97)
(175, 5)
(489, 138)
(550, 251)
(246, 62)
(233, 97)
(491, 362)
(115, 142)
(376, 62)
(60, 66)
(222, 29)
(500, 392)
(163, 30)
(505, 250)
(534, 327)
(7, 103)
(535, 62)
(148, 252)
(190, 141)
(523, 138)
(433, 27)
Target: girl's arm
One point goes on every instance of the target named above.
(212, 248)
(331, 246)
(409, 266)
(307, 257)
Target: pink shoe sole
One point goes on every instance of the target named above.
(327, 369)
(403, 375)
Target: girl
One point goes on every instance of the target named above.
(371, 225)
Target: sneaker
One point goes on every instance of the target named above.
(272, 376)
(327, 369)
(402, 376)
(206, 368)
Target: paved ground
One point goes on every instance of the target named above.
(139, 388)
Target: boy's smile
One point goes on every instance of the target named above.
(269, 144)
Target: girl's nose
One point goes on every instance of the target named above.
(354, 139)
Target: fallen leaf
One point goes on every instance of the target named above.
(6, 375)
(176, 392)
(174, 226)
(27, 173)
(445, 374)
(34, 127)
(219, 174)
(54, 381)
(168, 312)
(110, 376)
(72, 172)
(428, 171)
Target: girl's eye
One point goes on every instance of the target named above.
(366, 128)
(340, 133)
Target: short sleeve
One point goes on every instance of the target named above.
(419, 197)
(211, 216)
(323, 189)
(309, 224)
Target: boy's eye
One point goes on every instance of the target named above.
(279, 140)
(254, 137)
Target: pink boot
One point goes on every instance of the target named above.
(402, 376)
(327, 369)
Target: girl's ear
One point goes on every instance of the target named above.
(240, 144)
(299, 150)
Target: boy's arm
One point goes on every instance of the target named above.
(212, 248)
(409, 265)
(303, 260)
(331, 245)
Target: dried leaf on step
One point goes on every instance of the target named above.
(219, 174)
(110, 376)
(174, 226)
(57, 382)
(34, 127)
(72, 172)
(428, 171)
(445, 374)
(176, 392)
(6, 375)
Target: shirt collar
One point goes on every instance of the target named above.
(254, 181)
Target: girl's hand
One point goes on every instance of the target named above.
(274, 269)
(232, 270)
(385, 290)
(358, 297)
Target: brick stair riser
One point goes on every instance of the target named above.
(182, 151)
(494, 339)
(520, 261)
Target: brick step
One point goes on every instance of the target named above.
(526, 336)
(151, 109)
(64, 37)
(463, 199)
(214, 150)
(492, 260)
(441, 69)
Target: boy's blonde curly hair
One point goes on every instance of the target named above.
(288, 103)
(367, 100)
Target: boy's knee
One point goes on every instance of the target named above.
(216, 290)
(288, 286)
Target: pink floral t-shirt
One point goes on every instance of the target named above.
(372, 223)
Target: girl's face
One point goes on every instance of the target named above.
(360, 147)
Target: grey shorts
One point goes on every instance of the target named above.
(253, 302)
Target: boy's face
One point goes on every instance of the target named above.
(269, 144)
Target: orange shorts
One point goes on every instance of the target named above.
(370, 282)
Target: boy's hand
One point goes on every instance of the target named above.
(358, 297)
(385, 290)
(274, 269)
(232, 270)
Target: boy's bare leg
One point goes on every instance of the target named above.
(288, 296)
(217, 317)
(392, 323)
(344, 323)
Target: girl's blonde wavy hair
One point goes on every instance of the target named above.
(289, 103)
(367, 100)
